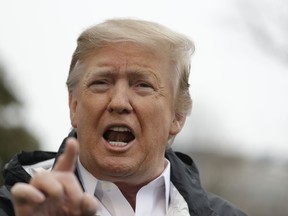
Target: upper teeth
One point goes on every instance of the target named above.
(119, 129)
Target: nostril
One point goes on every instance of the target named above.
(120, 106)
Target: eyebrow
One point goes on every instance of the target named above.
(101, 71)
(110, 71)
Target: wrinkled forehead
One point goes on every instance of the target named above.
(128, 55)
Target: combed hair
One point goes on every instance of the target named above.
(177, 47)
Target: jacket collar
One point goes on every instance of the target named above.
(185, 177)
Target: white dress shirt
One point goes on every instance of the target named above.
(151, 199)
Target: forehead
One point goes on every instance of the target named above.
(125, 55)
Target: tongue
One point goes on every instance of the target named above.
(118, 136)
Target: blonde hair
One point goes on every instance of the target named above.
(177, 47)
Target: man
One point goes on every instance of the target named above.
(128, 99)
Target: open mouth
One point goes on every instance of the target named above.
(118, 136)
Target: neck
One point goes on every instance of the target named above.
(129, 192)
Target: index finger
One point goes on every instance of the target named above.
(67, 161)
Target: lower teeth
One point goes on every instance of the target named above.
(117, 143)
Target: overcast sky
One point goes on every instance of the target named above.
(239, 91)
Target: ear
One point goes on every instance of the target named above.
(73, 109)
(177, 123)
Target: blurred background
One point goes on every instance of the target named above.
(237, 132)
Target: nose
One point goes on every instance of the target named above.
(120, 100)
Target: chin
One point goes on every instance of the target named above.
(116, 167)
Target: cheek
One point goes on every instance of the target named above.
(157, 119)
(85, 113)
(91, 104)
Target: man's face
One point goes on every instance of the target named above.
(123, 110)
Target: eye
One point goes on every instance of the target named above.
(144, 87)
(99, 82)
(99, 85)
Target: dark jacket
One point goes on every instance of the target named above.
(184, 176)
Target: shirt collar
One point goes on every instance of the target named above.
(89, 182)
(87, 179)
(166, 176)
